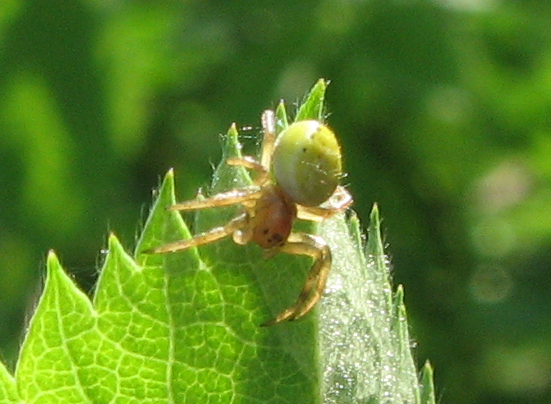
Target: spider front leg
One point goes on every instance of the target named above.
(268, 140)
(207, 237)
(317, 248)
(238, 227)
(262, 167)
(251, 163)
(233, 197)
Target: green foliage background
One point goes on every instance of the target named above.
(443, 110)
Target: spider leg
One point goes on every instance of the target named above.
(252, 164)
(228, 198)
(268, 141)
(207, 237)
(247, 162)
(262, 167)
(339, 201)
(315, 247)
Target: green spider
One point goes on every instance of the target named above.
(298, 177)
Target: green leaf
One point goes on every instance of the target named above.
(184, 327)
(313, 104)
(366, 351)
(427, 385)
(8, 391)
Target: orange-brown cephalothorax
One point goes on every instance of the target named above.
(274, 214)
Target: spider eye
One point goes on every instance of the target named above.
(307, 162)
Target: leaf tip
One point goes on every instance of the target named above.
(232, 147)
(374, 241)
(113, 242)
(52, 261)
(167, 186)
(168, 179)
(400, 292)
(427, 384)
(313, 105)
(399, 307)
(374, 216)
(282, 122)
(321, 84)
(170, 173)
(55, 274)
(427, 367)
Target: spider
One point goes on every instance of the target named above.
(297, 176)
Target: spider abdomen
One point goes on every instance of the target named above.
(307, 162)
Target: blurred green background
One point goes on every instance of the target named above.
(443, 108)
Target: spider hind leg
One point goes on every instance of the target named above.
(315, 247)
